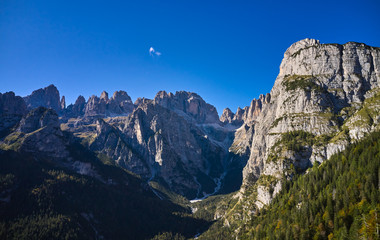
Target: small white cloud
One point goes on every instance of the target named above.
(152, 51)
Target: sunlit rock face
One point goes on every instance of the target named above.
(176, 139)
(318, 100)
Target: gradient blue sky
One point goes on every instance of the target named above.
(229, 52)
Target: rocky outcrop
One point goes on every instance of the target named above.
(104, 96)
(39, 133)
(188, 105)
(244, 119)
(158, 143)
(47, 97)
(10, 104)
(142, 100)
(75, 110)
(96, 106)
(11, 110)
(63, 102)
(38, 118)
(250, 113)
(318, 94)
(227, 116)
(119, 104)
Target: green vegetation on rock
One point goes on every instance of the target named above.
(304, 82)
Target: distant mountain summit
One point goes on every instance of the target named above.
(45, 97)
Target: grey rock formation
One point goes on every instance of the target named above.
(140, 101)
(227, 116)
(159, 144)
(11, 110)
(316, 99)
(190, 104)
(63, 103)
(119, 104)
(39, 133)
(96, 106)
(77, 109)
(10, 104)
(245, 120)
(250, 113)
(104, 96)
(47, 97)
(38, 118)
(175, 139)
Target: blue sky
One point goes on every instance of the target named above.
(229, 52)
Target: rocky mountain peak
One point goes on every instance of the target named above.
(38, 118)
(95, 106)
(119, 104)
(47, 97)
(302, 44)
(39, 132)
(352, 67)
(142, 100)
(76, 109)
(12, 108)
(227, 116)
(10, 104)
(249, 114)
(104, 96)
(189, 103)
(80, 100)
(120, 96)
(63, 102)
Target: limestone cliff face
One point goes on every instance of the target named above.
(245, 119)
(325, 96)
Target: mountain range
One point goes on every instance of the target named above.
(176, 153)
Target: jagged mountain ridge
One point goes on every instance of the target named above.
(175, 139)
(319, 84)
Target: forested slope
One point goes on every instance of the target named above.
(339, 199)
